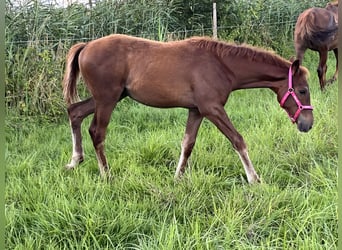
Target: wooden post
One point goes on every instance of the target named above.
(214, 21)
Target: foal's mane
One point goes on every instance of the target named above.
(249, 52)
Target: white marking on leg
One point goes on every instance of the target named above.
(180, 167)
(104, 169)
(252, 176)
(76, 156)
(101, 166)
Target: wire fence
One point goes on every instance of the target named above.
(168, 34)
(267, 23)
(45, 22)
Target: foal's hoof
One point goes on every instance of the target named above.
(106, 176)
(70, 166)
(178, 177)
(257, 181)
(74, 162)
(254, 179)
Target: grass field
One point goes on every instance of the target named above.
(213, 207)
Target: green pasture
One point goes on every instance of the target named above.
(212, 207)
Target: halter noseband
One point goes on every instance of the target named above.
(291, 92)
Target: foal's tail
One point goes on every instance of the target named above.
(71, 74)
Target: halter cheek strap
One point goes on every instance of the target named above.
(291, 92)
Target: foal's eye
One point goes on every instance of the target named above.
(302, 91)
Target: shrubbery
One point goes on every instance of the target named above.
(38, 36)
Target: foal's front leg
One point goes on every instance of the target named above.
(77, 112)
(218, 116)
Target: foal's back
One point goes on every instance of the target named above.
(154, 73)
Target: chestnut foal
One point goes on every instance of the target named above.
(197, 74)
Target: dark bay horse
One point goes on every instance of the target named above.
(197, 74)
(317, 29)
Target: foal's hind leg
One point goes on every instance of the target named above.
(97, 131)
(77, 112)
(192, 125)
(218, 116)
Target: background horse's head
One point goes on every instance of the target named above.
(295, 97)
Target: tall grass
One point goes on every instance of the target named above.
(213, 207)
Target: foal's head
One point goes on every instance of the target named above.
(294, 97)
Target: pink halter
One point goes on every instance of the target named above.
(291, 92)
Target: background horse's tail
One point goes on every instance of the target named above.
(71, 74)
(305, 25)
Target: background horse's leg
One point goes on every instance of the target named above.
(219, 117)
(77, 112)
(336, 71)
(322, 67)
(192, 126)
(300, 55)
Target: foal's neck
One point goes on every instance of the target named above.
(258, 75)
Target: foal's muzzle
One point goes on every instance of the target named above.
(303, 124)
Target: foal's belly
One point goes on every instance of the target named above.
(161, 95)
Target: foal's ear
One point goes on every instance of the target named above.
(295, 66)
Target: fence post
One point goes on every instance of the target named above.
(214, 21)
